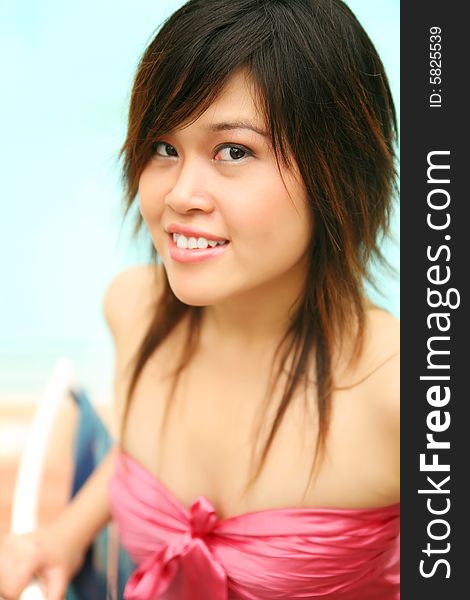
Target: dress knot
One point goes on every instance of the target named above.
(203, 517)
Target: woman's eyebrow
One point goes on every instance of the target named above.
(231, 125)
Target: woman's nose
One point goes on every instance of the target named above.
(189, 191)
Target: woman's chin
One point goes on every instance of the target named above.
(194, 297)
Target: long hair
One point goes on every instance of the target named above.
(324, 95)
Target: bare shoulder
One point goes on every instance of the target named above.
(381, 367)
(382, 335)
(376, 376)
(130, 298)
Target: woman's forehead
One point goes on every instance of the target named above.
(234, 108)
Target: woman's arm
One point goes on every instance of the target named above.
(54, 553)
(88, 512)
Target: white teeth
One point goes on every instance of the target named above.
(191, 242)
(181, 241)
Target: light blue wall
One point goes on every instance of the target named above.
(381, 20)
(66, 72)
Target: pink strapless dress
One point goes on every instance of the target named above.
(339, 554)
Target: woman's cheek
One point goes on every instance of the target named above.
(149, 199)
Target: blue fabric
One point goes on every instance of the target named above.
(92, 443)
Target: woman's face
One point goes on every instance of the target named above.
(217, 179)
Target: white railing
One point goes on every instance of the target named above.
(33, 458)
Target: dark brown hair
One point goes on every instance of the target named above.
(325, 98)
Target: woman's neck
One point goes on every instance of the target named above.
(252, 320)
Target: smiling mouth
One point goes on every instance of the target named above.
(184, 242)
(195, 255)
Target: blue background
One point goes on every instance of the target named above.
(66, 74)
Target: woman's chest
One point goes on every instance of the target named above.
(215, 429)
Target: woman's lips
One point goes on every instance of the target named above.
(193, 255)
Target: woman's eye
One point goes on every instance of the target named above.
(232, 153)
(164, 149)
(227, 153)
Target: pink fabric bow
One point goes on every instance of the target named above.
(190, 554)
(295, 553)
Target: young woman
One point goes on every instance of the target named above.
(256, 384)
